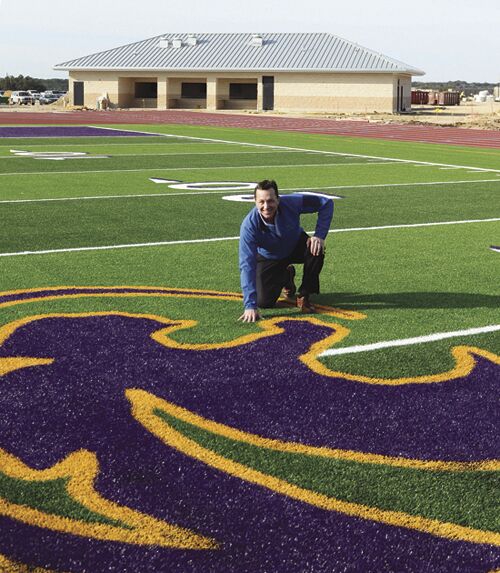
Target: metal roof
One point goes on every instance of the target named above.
(287, 52)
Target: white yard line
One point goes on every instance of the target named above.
(423, 163)
(112, 247)
(411, 225)
(288, 148)
(368, 186)
(215, 239)
(335, 153)
(211, 152)
(268, 146)
(183, 194)
(410, 341)
(187, 168)
(384, 160)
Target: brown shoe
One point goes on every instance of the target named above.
(289, 290)
(305, 306)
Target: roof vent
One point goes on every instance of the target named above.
(192, 40)
(177, 43)
(257, 40)
(163, 43)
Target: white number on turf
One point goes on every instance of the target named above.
(56, 155)
(216, 186)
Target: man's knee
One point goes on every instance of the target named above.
(314, 263)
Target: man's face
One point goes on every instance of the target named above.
(267, 203)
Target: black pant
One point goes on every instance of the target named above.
(272, 275)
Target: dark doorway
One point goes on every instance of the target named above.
(78, 93)
(268, 92)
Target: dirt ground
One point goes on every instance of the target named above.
(469, 115)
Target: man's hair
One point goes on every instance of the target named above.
(266, 185)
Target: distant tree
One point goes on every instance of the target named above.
(28, 83)
(57, 84)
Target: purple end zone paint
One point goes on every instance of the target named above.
(68, 131)
(78, 402)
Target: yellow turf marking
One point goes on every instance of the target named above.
(81, 468)
(158, 291)
(143, 405)
(142, 398)
(463, 355)
(8, 365)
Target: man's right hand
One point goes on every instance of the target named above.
(250, 315)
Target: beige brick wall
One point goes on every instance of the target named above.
(330, 92)
(95, 86)
(119, 87)
(337, 93)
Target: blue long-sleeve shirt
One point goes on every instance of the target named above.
(277, 241)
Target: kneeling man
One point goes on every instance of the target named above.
(271, 239)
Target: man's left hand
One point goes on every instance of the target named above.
(316, 245)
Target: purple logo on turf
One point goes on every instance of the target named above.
(93, 480)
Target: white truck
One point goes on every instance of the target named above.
(21, 97)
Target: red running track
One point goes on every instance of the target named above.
(350, 128)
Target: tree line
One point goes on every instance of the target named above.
(17, 83)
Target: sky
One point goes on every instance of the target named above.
(448, 39)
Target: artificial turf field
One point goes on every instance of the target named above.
(144, 429)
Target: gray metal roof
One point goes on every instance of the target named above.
(287, 52)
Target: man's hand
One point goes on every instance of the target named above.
(250, 315)
(316, 245)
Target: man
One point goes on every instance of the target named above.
(271, 239)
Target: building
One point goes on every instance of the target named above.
(303, 72)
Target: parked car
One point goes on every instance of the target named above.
(48, 97)
(35, 95)
(20, 97)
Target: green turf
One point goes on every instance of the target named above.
(419, 360)
(409, 282)
(415, 301)
(108, 221)
(50, 497)
(439, 153)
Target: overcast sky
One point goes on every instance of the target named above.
(448, 39)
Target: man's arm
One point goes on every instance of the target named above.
(248, 272)
(324, 207)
